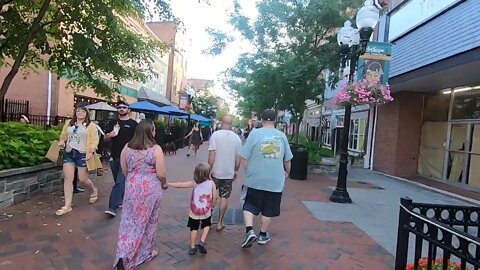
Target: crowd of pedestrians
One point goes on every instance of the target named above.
(140, 178)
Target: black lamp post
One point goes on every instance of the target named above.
(353, 43)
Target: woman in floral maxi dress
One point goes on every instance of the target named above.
(143, 163)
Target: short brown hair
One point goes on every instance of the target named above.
(143, 138)
(201, 173)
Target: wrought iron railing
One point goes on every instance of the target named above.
(439, 234)
(40, 120)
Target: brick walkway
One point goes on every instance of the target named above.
(32, 237)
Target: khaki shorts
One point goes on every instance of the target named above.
(224, 187)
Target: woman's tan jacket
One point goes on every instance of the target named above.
(92, 136)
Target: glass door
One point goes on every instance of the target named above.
(463, 164)
(457, 153)
(474, 159)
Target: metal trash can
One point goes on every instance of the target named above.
(299, 168)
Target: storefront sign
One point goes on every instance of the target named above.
(414, 13)
(184, 102)
(376, 61)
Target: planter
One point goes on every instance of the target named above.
(19, 185)
(324, 166)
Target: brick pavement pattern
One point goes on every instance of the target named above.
(32, 237)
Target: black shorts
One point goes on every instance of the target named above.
(195, 224)
(261, 201)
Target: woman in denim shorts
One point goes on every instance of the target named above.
(80, 139)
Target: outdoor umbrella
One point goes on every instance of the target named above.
(195, 117)
(145, 106)
(101, 106)
(175, 111)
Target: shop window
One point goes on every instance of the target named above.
(357, 135)
(327, 134)
(466, 104)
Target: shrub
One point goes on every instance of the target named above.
(315, 151)
(160, 134)
(24, 145)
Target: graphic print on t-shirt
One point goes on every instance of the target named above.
(271, 148)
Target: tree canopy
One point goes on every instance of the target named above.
(85, 41)
(294, 46)
(206, 105)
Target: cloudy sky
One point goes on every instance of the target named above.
(199, 16)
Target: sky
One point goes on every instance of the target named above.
(197, 17)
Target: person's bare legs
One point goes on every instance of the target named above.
(190, 150)
(83, 178)
(265, 224)
(205, 234)
(201, 246)
(250, 236)
(68, 173)
(248, 218)
(193, 239)
(223, 209)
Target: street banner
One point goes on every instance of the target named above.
(376, 60)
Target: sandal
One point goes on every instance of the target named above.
(219, 229)
(62, 211)
(94, 196)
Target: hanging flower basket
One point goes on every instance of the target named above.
(366, 91)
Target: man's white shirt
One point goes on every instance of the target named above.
(227, 146)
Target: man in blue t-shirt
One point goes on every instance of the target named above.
(267, 154)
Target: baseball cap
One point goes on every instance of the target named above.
(121, 102)
(269, 115)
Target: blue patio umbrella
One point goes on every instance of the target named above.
(196, 117)
(175, 111)
(145, 106)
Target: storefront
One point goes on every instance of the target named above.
(432, 129)
(450, 136)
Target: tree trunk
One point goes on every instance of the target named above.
(24, 48)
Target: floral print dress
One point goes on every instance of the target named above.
(140, 210)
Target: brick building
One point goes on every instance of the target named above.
(432, 129)
(175, 36)
(49, 95)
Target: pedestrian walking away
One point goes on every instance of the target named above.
(80, 139)
(223, 156)
(143, 163)
(267, 156)
(196, 139)
(119, 135)
(201, 206)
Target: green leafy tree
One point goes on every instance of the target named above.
(83, 40)
(239, 122)
(206, 105)
(294, 45)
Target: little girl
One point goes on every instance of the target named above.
(201, 206)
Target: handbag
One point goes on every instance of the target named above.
(53, 153)
(94, 163)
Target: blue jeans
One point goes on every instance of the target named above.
(116, 197)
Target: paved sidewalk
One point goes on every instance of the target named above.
(32, 237)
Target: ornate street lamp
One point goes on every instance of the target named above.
(353, 43)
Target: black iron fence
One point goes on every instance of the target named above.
(443, 236)
(13, 107)
(40, 120)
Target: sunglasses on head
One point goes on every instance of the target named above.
(122, 107)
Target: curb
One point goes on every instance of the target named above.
(457, 196)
